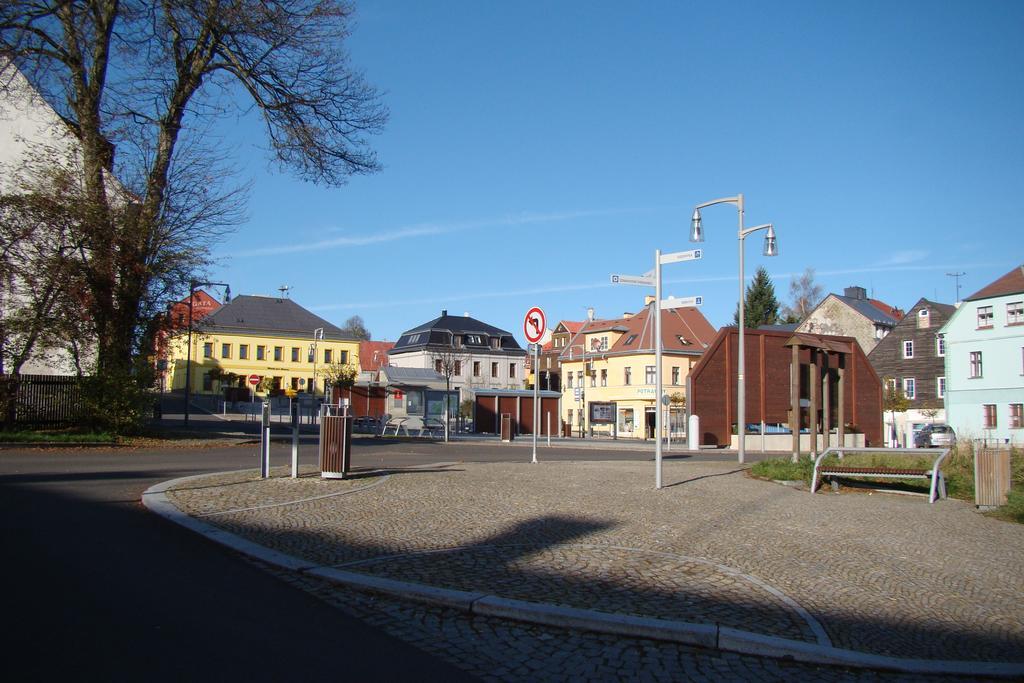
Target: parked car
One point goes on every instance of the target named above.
(935, 435)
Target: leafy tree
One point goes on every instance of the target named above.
(139, 84)
(341, 375)
(804, 294)
(354, 328)
(760, 305)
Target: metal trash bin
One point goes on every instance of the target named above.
(335, 445)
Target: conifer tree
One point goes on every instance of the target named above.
(760, 305)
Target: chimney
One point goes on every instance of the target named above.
(627, 315)
(648, 300)
(444, 312)
(856, 293)
(465, 314)
(590, 313)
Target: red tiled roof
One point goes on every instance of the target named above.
(1011, 283)
(373, 355)
(682, 329)
(891, 311)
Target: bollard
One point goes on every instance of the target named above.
(265, 441)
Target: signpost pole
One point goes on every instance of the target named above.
(657, 367)
(536, 397)
(265, 441)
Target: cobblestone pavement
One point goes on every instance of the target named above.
(883, 574)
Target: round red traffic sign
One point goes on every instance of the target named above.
(534, 325)
(254, 379)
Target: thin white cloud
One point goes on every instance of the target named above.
(427, 230)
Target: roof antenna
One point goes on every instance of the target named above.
(284, 289)
(956, 276)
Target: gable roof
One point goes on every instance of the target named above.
(683, 330)
(373, 355)
(876, 311)
(250, 314)
(1011, 283)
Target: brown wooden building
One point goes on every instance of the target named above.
(834, 382)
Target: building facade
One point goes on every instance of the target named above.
(263, 336)
(550, 370)
(911, 358)
(984, 354)
(608, 371)
(471, 354)
(853, 314)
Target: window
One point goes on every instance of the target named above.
(295, 383)
(295, 354)
(458, 368)
(397, 399)
(278, 353)
(579, 378)
(629, 340)
(1015, 313)
(984, 316)
(593, 377)
(649, 373)
(908, 349)
(327, 355)
(627, 376)
(975, 364)
(495, 343)
(474, 339)
(511, 370)
(923, 319)
(568, 380)
(940, 386)
(940, 346)
(413, 338)
(910, 388)
(989, 416)
(604, 378)
(344, 358)
(261, 352)
(890, 385)
(1016, 415)
(476, 368)
(683, 340)
(243, 351)
(675, 376)
(494, 369)
(437, 365)
(208, 350)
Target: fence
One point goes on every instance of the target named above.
(39, 401)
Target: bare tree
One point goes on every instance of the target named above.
(146, 80)
(805, 294)
(356, 329)
(450, 362)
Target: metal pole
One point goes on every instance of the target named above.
(549, 429)
(265, 441)
(657, 367)
(536, 398)
(741, 413)
(188, 361)
(295, 442)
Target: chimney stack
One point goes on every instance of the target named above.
(444, 312)
(648, 300)
(856, 293)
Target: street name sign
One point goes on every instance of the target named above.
(677, 256)
(633, 280)
(686, 301)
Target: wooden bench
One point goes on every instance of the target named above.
(938, 481)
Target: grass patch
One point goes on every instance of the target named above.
(56, 436)
(784, 469)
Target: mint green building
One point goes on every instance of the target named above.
(983, 342)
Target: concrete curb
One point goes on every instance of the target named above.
(482, 604)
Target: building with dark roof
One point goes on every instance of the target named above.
(470, 353)
(260, 336)
(852, 314)
(912, 358)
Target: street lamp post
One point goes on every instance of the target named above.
(188, 358)
(771, 248)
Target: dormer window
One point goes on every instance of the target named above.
(495, 343)
(413, 338)
(923, 319)
(474, 339)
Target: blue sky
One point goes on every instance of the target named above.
(534, 148)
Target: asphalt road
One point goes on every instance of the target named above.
(98, 588)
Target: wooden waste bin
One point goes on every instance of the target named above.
(335, 446)
(991, 477)
(507, 434)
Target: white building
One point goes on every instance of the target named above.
(475, 355)
(984, 348)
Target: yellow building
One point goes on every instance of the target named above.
(263, 336)
(608, 370)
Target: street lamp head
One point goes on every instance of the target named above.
(227, 294)
(771, 246)
(696, 228)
